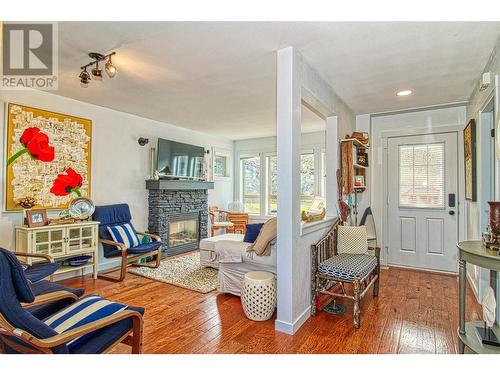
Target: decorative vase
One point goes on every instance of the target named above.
(495, 217)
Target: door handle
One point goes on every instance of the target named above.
(451, 212)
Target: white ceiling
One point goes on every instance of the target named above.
(220, 77)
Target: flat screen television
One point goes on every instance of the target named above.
(177, 160)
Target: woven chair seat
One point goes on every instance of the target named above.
(347, 267)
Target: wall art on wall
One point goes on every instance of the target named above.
(470, 161)
(221, 162)
(48, 158)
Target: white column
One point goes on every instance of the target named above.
(332, 152)
(288, 107)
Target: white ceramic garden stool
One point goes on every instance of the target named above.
(258, 295)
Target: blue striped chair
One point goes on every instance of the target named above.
(118, 215)
(45, 290)
(40, 270)
(22, 332)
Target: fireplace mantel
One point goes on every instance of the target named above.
(178, 185)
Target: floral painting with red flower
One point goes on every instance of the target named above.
(67, 183)
(48, 157)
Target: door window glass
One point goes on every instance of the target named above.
(421, 175)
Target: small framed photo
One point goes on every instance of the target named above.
(221, 163)
(36, 218)
(362, 158)
(359, 181)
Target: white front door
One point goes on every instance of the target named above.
(423, 201)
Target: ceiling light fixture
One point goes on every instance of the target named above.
(404, 93)
(110, 68)
(96, 72)
(85, 77)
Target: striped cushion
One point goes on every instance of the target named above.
(125, 234)
(86, 310)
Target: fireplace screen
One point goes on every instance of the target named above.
(182, 232)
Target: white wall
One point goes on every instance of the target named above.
(268, 144)
(476, 103)
(424, 120)
(297, 82)
(119, 165)
(480, 278)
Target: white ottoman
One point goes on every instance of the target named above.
(258, 295)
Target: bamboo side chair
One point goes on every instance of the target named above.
(332, 283)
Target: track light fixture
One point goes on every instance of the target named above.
(85, 77)
(110, 68)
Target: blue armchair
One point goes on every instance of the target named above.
(40, 270)
(22, 332)
(51, 297)
(119, 214)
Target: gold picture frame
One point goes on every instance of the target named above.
(27, 174)
(470, 161)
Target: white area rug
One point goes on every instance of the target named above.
(184, 271)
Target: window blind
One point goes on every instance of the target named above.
(421, 175)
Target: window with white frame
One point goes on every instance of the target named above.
(259, 180)
(422, 175)
(272, 185)
(250, 183)
(323, 174)
(307, 180)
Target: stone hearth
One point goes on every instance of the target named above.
(170, 202)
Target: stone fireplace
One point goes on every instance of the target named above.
(178, 212)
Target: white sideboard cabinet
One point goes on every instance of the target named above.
(61, 242)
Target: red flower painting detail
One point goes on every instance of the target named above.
(36, 144)
(67, 183)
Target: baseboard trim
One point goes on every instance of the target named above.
(87, 271)
(292, 328)
(422, 269)
(475, 290)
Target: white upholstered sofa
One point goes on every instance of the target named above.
(232, 271)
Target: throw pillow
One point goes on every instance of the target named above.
(86, 310)
(125, 234)
(352, 240)
(252, 232)
(262, 245)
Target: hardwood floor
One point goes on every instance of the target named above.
(416, 312)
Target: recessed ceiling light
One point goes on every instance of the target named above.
(404, 93)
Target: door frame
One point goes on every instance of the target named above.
(461, 207)
(479, 278)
